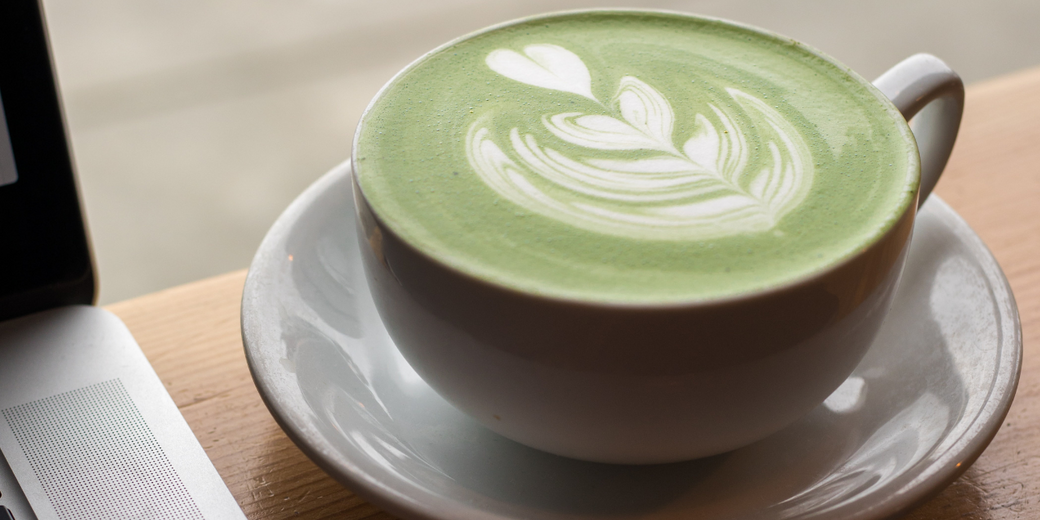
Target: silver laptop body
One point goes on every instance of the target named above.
(87, 429)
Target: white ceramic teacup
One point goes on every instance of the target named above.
(654, 383)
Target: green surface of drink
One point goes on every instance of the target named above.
(633, 157)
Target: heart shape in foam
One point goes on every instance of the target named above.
(545, 65)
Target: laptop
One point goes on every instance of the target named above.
(87, 429)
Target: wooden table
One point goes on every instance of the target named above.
(191, 335)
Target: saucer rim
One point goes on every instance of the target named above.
(932, 479)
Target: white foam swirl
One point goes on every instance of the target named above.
(703, 190)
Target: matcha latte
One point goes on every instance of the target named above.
(634, 157)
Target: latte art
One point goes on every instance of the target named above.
(632, 157)
(702, 190)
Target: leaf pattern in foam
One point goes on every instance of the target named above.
(704, 191)
(546, 66)
(646, 110)
(726, 154)
(599, 132)
(705, 147)
(588, 178)
(733, 150)
(786, 184)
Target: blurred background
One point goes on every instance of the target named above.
(196, 122)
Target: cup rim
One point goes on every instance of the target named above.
(909, 202)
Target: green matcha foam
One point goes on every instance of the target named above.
(634, 157)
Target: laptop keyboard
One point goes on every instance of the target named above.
(95, 456)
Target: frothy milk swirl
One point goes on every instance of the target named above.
(701, 190)
(633, 157)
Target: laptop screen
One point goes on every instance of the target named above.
(44, 255)
(8, 172)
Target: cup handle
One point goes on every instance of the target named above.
(923, 86)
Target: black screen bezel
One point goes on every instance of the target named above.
(46, 260)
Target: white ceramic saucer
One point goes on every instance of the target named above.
(920, 408)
